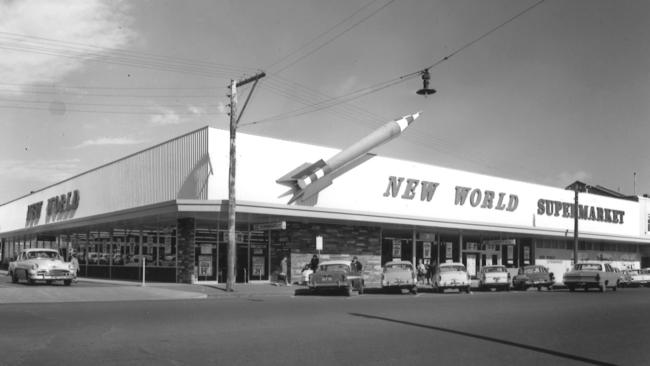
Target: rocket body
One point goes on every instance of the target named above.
(309, 179)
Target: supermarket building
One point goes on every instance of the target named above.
(168, 206)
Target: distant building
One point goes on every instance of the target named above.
(167, 205)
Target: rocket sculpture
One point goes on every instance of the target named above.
(307, 180)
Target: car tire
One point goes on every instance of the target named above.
(67, 282)
(571, 288)
(361, 289)
(467, 291)
(602, 288)
(14, 277)
(414, 290)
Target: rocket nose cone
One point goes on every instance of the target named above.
(414, 116)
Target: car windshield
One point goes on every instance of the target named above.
(588, 267)
(529, 270)
(43, 254)
(334, 267)
(398, 267)
(494, 269)
(452, 269)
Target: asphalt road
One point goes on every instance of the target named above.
(505, 328)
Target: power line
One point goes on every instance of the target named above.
(321, 35)
(335, 37)
(379, 86)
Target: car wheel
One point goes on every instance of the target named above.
(602, 288)
(361, 290)
(539, 288)
(571, 288)
(467, 290)
(414, 290)
(348, 291)
(67, 282)
(14, 277)
(550, 288)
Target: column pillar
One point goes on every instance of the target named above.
(185, 247)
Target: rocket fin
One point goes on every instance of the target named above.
(302, 171)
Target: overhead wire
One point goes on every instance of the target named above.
(382, 85)
(335, 37)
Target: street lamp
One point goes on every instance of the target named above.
(425, 81)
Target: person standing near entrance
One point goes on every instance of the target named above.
(284, 270)
(313, 265)
(75, 266)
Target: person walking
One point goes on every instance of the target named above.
(356, 265)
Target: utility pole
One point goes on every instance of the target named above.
(575, 225)
(232, 203)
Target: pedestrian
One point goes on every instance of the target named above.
(284, 270)
(356, 265)
(75, 266)
(422, 271)
(314, 263)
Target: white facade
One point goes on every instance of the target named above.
(367, 192)
(194, 168)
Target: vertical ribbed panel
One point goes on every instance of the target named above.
(174, 169)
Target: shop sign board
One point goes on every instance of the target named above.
(205, 265)
(397, 249)
(258, 266)
(449, 250)
(426, 250)
(280, 225)
(319, 242)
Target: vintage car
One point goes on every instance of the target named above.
(40, 264)
(494, 277)
(625, 277)
(533, 276)
(398, 275)
(336, 275)
(451, 276)
(594, 274)
(640, 278)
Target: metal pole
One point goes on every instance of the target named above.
(575, 226)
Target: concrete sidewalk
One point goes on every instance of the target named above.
(93, 290)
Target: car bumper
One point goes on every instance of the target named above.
(50, 276)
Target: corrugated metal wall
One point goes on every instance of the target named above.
(178, 168)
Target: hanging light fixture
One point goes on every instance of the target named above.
(425, 80)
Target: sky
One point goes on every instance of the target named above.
(547, 92)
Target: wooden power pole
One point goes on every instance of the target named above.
(232, 203)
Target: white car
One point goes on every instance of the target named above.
(640, 277)
(40, 264)
(494, 277)
(451, 276)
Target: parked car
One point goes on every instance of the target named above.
(398, 275)
(40, 264)
(594, 274)
(640, 278)
(451, 276)
(336, 275)
(624, 277)
(494, 277)
(533, 276)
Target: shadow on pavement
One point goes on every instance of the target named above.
(486, 338)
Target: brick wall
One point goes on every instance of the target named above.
(339, 242)
(185, 250)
